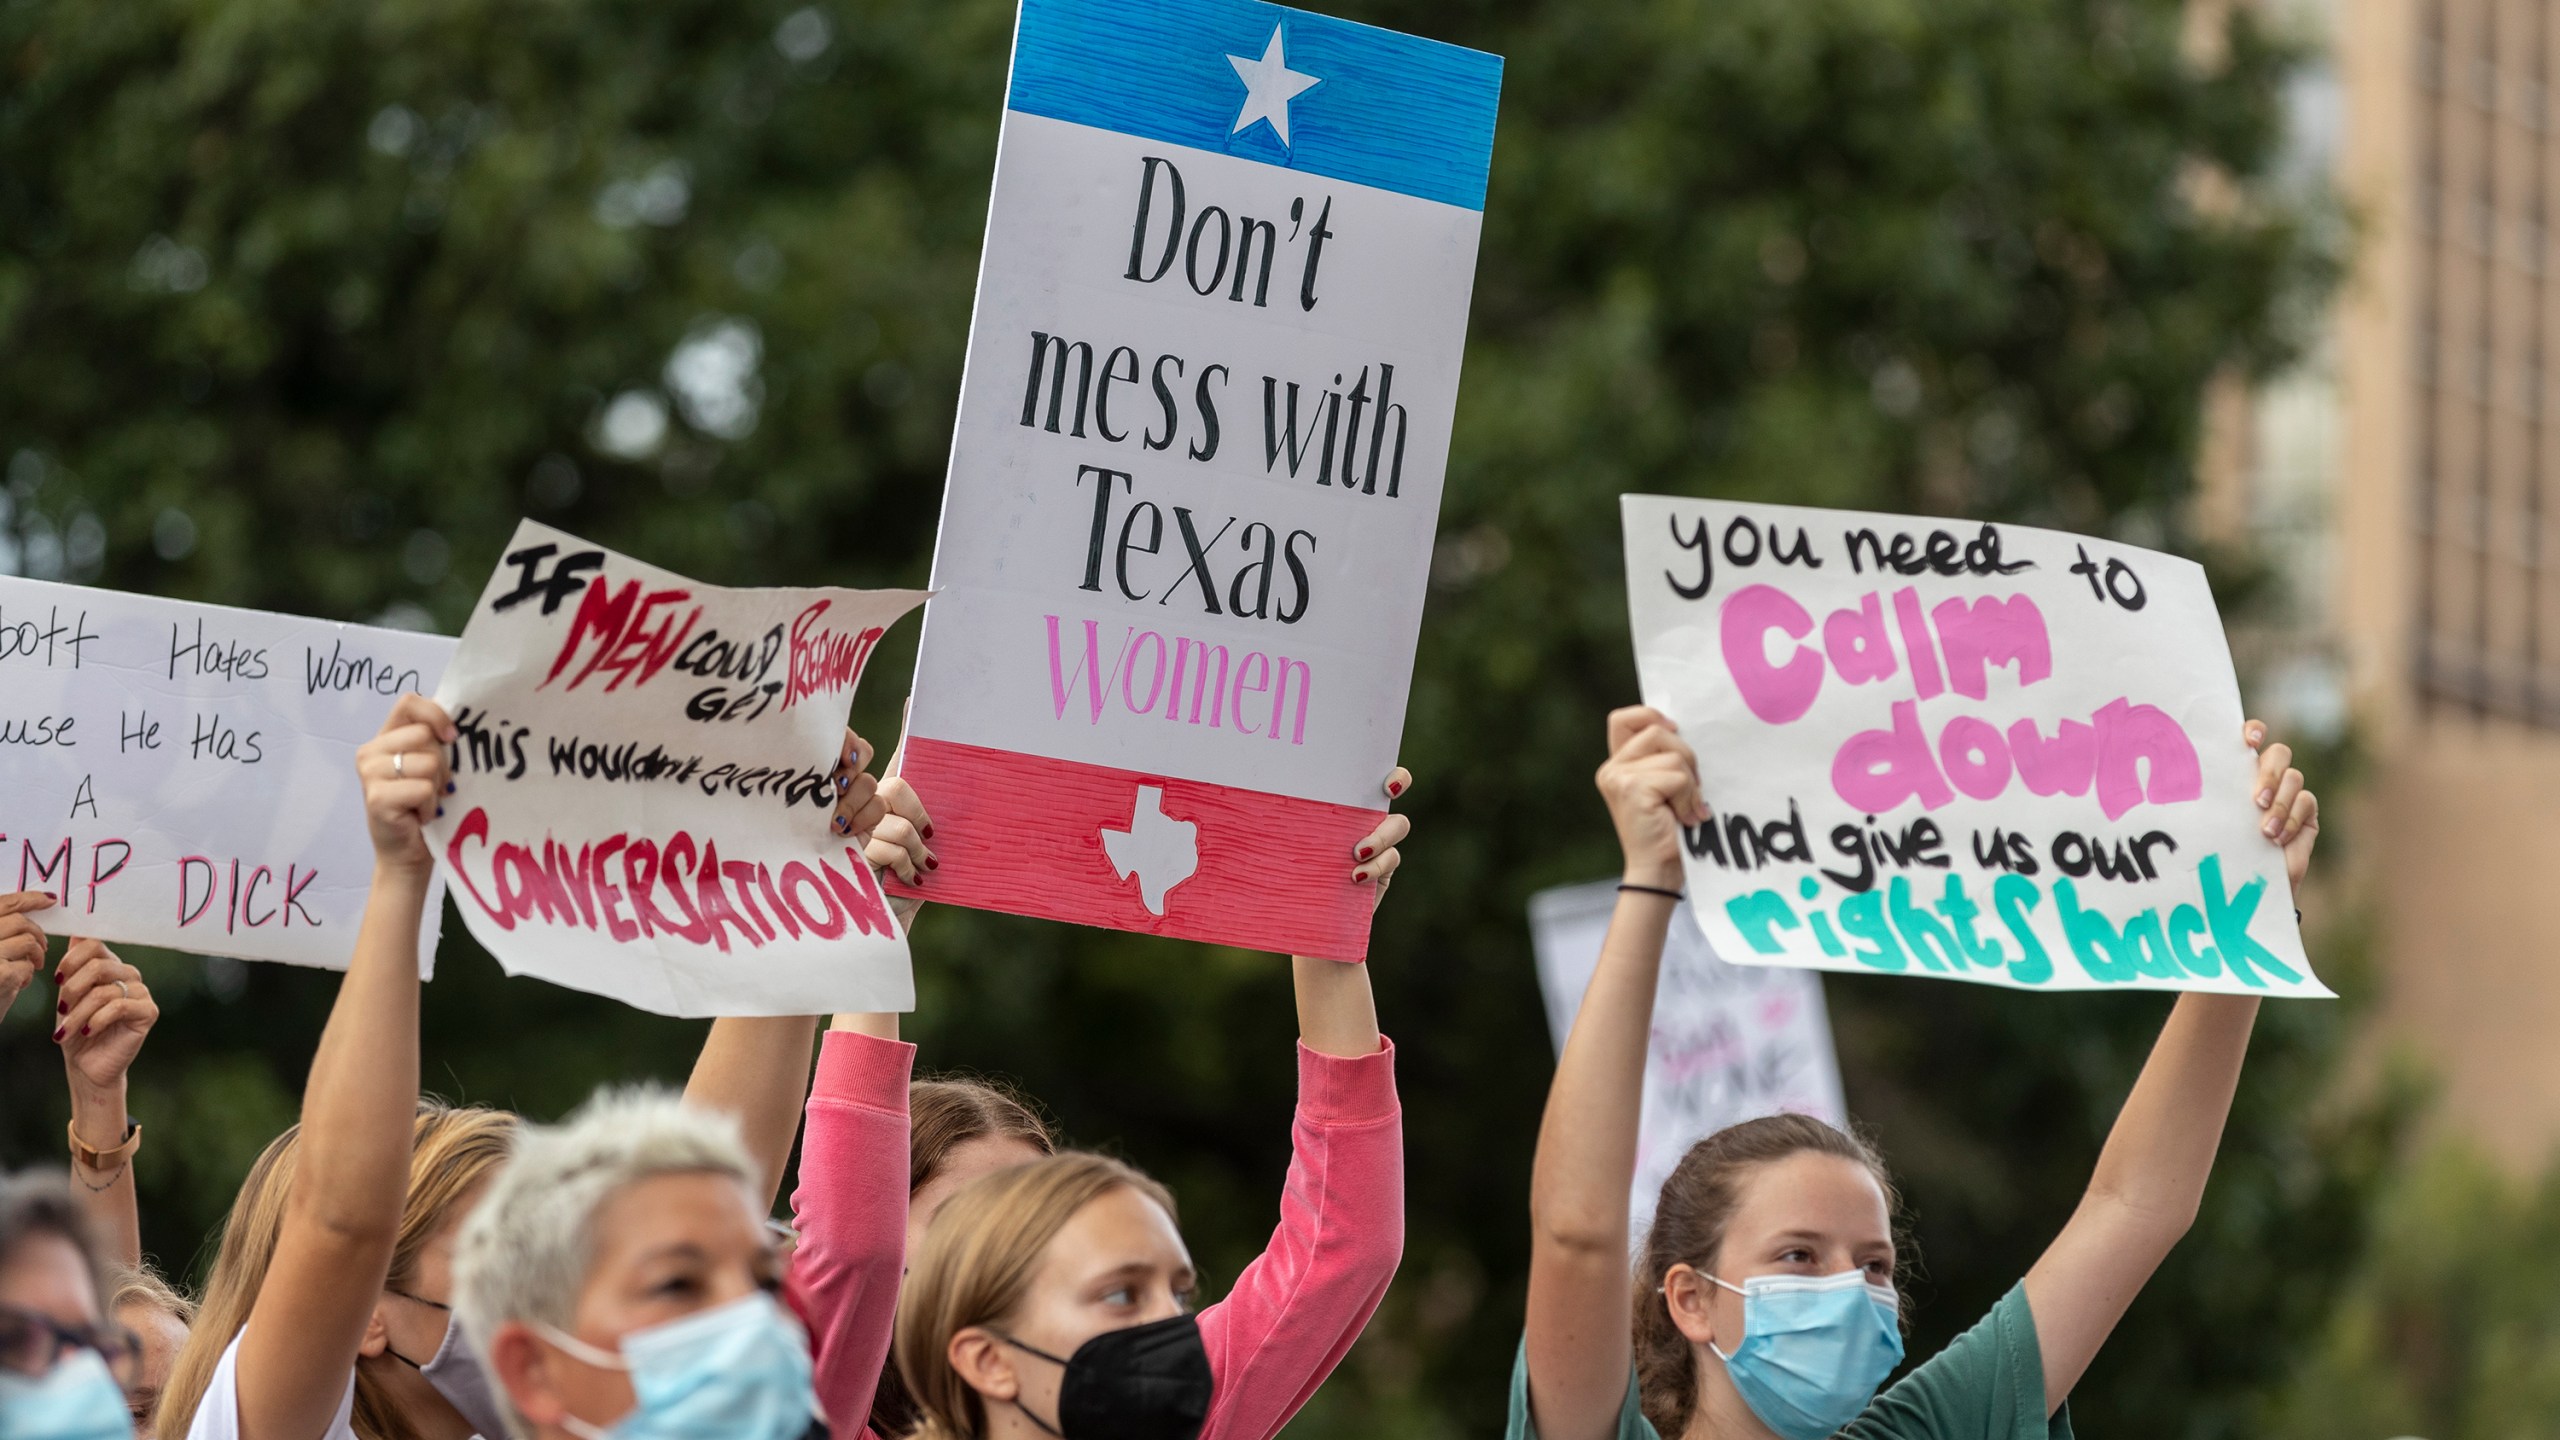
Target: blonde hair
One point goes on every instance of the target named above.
(452, 1149)
(142, 1285)
(525, 1250)
(977, 1263)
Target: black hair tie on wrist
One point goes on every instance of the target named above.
(1625, 885)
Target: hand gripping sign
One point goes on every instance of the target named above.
(1197, 467)
(184, 774)
(1979, 752)
(643, 804)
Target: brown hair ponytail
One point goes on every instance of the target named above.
(1689, 1221)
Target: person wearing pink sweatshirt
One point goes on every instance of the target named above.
(1249, 1362)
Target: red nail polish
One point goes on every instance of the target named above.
(932, 864)
(1367, 850)
(57, 1037)
(1359, 875)
(1396, 789)
(84, 1029)
(62, 1008)
(926, 832)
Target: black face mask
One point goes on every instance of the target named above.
(1148, 1382)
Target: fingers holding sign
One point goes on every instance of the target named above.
(22, 943)
(1376, 855)
(105, 1012)
(858, 804)
(405, 780)
(2292, 813)
(1650, 782)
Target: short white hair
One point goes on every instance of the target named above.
(523, 1253)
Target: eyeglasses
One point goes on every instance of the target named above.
(31, 1344)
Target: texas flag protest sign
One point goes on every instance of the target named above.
(1980, 752)
(1197, 467)
(643, 794)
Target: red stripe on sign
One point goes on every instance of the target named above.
(1127, 850)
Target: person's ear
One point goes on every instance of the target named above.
(377, 1334)
(521, 1364)
(1691, 1297)
(981, 1362)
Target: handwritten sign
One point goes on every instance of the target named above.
(1197, 469)
(184, 775)
(1730, 1042)
(643, 804)
(1980, 752)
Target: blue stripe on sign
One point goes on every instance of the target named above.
(1395, 111)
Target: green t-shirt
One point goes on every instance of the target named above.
(1988, 1384)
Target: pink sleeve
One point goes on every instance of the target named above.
(1295, 1310)
(851, 1210)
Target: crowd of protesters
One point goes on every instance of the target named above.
(395, 1268)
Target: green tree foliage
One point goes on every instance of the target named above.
(2450, 1329)
(303, 302)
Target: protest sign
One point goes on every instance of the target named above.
(184, 775)
(1730, 1042)
(1196, 473)
(1934, 747)
(643, 803)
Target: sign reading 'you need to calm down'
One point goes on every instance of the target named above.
(1197, 468)
(1981, 752)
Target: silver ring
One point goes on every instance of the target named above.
(121, 990)
(399, 759)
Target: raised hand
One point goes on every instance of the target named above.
(405, 780)
(104, 1012)
(2293, 813)
(22, 943)
(858, 803)
(1650, 782)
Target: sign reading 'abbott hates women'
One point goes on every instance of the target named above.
(1197, 468)
(643, 796)
(1972, 751)
(184, 775)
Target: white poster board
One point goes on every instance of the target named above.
(1730, 1042)
(184, 775)
(1947, 748)
(643, 805)
(1196, 474)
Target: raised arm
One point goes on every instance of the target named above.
(100, 1020)
(1578, 1342)
(2151, 1174)
(757, 1067)
(1294, 1312)
(358, 1109)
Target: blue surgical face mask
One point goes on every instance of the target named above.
(738, 1371)
(1813, 1349)
(78, 1399)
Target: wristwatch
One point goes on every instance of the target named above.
(89, 1159)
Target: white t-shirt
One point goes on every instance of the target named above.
(218, 1417)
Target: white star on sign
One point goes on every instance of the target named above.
(1269, 86)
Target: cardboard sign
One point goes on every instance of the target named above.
(1936, 747)
(1196, 475)
(184, 775)
(1730, 1042)
(643, 803)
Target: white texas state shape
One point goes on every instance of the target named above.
(1160, 850)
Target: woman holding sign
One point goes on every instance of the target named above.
(1764, 1298)
(328, 1315)
(1075, 1259)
